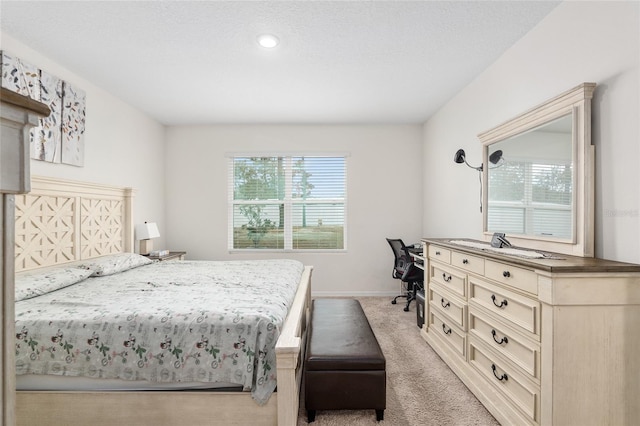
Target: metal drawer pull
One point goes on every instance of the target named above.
(501, 341)
(502, 377)
(465, 261)
(444, 305)
(444, 328)
(502, 304)
(437, 253)
(506, 274)
(445, 278)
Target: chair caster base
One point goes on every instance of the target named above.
(393, 302)
(406, 309)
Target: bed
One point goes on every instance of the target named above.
(208, 363)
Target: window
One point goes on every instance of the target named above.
(528, 197)
(294, 202)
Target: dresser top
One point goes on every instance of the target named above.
(551, 262)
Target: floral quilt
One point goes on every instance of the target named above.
(164, 322)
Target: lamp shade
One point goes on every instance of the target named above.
(147, 231)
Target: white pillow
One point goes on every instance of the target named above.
(30, 284)
(114, 263)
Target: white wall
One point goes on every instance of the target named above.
(123, 146)
(384, 194)
(577, 42)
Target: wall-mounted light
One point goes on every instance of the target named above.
(460, 157)
(145, 233)
(495, 157)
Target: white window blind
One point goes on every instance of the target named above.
(528, 197)
(287, 202)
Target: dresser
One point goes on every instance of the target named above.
(539, 341)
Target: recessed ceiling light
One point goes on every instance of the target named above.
(268, 41)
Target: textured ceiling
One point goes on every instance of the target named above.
(197, 62)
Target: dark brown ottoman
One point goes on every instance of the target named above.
(344, 366)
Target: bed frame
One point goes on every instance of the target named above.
(61, 221)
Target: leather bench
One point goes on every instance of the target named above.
(344, 366)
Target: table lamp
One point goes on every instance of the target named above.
(145, 232)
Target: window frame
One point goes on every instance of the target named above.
(288, 201)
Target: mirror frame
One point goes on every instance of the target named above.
(576, 101)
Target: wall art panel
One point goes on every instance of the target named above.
(20, 77)
(46, 139)
(73, 121)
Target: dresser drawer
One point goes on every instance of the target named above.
(440, 254)
(523, 394)
(517, 348)
(448, 333)
(521, 312)
(451, 279)
(449, 307)
(467, 262)
(513, 276)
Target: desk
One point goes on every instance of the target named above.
(417, 256)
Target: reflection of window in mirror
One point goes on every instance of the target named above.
(530, 190)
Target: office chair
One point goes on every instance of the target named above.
(405, 270)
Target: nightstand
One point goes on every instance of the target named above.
(173, 256)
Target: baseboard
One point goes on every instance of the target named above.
(353, 294)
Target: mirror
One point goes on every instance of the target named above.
(538, 178)
(530, 189)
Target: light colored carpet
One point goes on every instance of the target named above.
(421, 389)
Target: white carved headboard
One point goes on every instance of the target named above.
(61, 221)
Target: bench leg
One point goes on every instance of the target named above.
(379, 415)
(311, 416)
